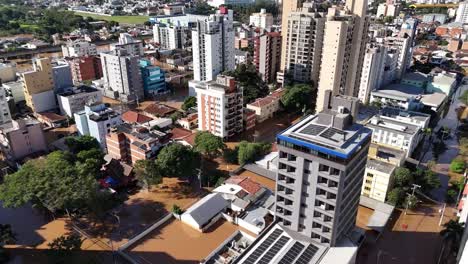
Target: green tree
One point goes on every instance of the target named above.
(452, 234)
(403, 177)
(177, 210)
(388, 19)
(80, 143)
(54, 182)
(64, 249)
(189, 102)
(428, 179)
(209, 144)
(451, 196)
(248, 152)
(177, 160)
(396, 196)
(147, 172)
(247, 77)
(438, 148)
(175, 116)
(297, 97)
(411, 201)
(457, 165)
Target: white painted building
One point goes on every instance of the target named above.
(462, 13)
(96, 121)
(220, 109)
(372, 71)
(44, 101)
(127, 42)
(122, 76)
(78, 48)
(16, 90)
(74, 99)
(213, 46)
(5, 115)
(169, 36)
(261, 19)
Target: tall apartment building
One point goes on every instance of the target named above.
(169, 36)
(38, 86)
(96, 120)
(62, 75)
(304, 37)
(262, 19)
(128, 43)
(5, 114)
(288, 6)
(267, 54)
(344, 45)
(21, 138)
(86, 68)
(213, 45)
(78, 48)
(373, 68)
(122, 76)
(320, 170)
(220, 106)
(403, 45)
(462, 13)
(74, 99)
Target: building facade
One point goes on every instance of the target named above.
(462, 13)
(372, 71)
(39, 84)
(267, 54)
(262, 19)
(7, 72)
(133, 47)
(87, 68)
(5, 114)
(79, 49)
(74, 99)
(21, 138)
(320, 170)
(96, 120)
(220, 106)
(122, 76)
(169, 36)
(154, 82)
(213, 46)
(62, 75)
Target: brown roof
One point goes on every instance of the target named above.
(250, 186)
(276, 95)
(134, 117)
(180, 133)
(159, 109)
(52, 117)
(190, 139)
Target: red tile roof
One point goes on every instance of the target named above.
(134, 117)
(250, 186)
(159, 109)
(180, 133)
(52, 117)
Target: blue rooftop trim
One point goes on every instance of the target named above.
(320, 148)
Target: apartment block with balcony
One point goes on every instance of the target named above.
(130, 143)
(87, 68)
(267, 53)
(320, 171)
(220, 106)
(38, 86)
(74, 99)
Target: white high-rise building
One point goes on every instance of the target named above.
(372, 71)
(344, 45)
(262, 19)
(122, 76)
(403, 45)
(169, 36)
(462, 13)
(79, 48)
(128, 43)
(213, 46)
(304, 35)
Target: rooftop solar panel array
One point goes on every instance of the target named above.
(264, 246)
(313, 129)
(292, 253)
(331, 132)
(307, 255)
(271, 253)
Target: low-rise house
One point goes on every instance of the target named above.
(434, 102)
(158, 110)
(96, 120)
(205, 212)
(189, 122)
(21, 138)
(51, 119)
(442, 83)
(401, 96)
(417, 79)
(132, 143)
(133, 117)
(267, 106)
(74, 99)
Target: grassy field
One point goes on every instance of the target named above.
(120, 19)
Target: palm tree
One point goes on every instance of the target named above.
(452, 234)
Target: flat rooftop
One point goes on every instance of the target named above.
(392, 125)
(399, 91)
(398, 113)
(380, 166)
(313, 134)
(176, 242)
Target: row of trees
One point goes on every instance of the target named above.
(246, 152)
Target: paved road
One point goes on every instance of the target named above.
(442, 167)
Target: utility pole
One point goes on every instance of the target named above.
(442, 214)
(415, 186)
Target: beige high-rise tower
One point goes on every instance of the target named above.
(288, 7)
(344, 44)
